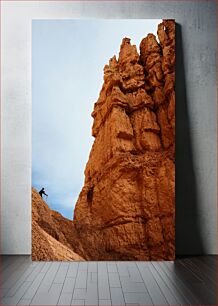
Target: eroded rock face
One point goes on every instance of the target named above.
(126, 209)
(53, 236)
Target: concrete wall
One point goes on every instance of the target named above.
(196, 113)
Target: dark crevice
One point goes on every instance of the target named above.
(90, 195)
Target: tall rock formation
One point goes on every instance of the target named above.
(126, 209)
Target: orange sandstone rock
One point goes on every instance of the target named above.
(126, 209)
(53, 236)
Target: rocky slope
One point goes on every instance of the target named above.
(53, 236)
(126, 209)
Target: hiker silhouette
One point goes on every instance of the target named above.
(42, 191)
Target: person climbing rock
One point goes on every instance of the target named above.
(42, 191)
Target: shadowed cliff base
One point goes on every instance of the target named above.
(126, 209)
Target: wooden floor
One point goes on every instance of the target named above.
(187, 281)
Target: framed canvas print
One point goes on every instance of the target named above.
(103, 140)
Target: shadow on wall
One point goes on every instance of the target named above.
(188, 232)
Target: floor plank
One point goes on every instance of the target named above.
(29, 275)
(47, 281)
(105, 302)
(14, 271)
(114, 280)
(65, 299)
(103, 282)
(11, 279)
(61, 273)
(31, 291)
(69, 285)
(24, 302)
(140, 298)
(193, 289)
(155, 292)
(169, 281)
(48, 298)
(117, 297)
(168, 292)
(5, 261)
(17, 296)
(78, 302)
(205, 269)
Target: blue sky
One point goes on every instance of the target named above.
(68, 57)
